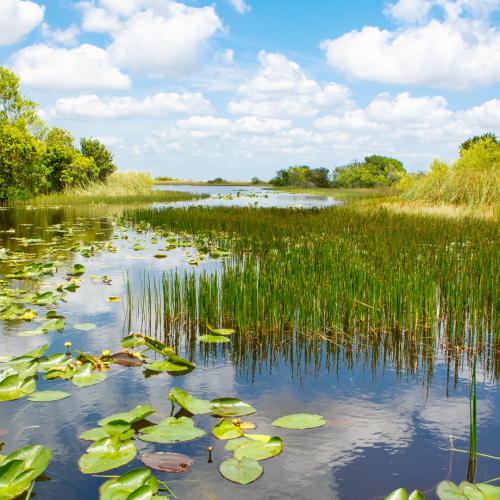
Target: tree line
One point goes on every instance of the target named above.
(36, 158)
(374, 171)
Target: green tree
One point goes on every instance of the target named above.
(302, 176)
(22, 172)
(103, 158)
(471, 141)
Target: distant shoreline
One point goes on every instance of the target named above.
(205, 183)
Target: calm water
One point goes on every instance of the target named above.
(385, 431)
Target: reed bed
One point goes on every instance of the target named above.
(339, 272)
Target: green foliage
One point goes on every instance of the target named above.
(474, 140)
(218, 181)
(375, 171)
(256, 180)
(302, 176)
(165, 178)
(103, 158)
(472, 179)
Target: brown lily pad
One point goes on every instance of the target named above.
(167, 462)
(124, 359)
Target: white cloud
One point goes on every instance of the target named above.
(55, 69)
(110, 140)
(240, 6)
(460, 52)
(17, 19)
(226, 57)
(64, 37)
(161, 104)
(409, 11)
(155, 37)
(281, 88)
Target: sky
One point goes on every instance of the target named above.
(243, 88)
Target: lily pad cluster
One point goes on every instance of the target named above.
(402, 495)
(446, 490)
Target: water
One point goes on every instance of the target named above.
(386, 429)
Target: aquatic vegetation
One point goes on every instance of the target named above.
(46, 396)
(447, 490)
(230, 407)
(14, 385)
(171, 430)
(242, 471)
(137, 483)
(19, 470)
(402, 495)
(167, 462)
(259, 450)
(300, 421)
(225, 429)
(106, 454)
(85, 376)
(189, 403)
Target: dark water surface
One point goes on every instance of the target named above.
(386, 429)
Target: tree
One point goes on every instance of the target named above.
(103, 158)
(22, 172)
(302, 176)
(477, 138)
(16, 108)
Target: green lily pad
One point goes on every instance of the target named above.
(160, 256)
(114, 299)
(106, 454)
(212, 338)
(416, 495)
(489, 491)
(221, 331)
(225, 429)
(242, 471)
(177, 359)
(232, 444)
(85, 377)
(115, 427)
(171, 430)
(37, 352)
(446, 490)
(14, 386)
(84, 327)
(29, 333)
(18, 363)
(230, 407)
(57, 359)
(131, 482)
(132, 340)
(138, 247)
(165, 366)
(259, 451)
(48, 396)
(51, 325)
(300, 421)
(133, 416)
(189, 403)
(155, 345)
(65, 372)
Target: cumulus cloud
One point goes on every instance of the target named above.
(64, 37)
(161, 104)
(17, 19)
(459, 52)
(240, 6)
(152, 37)
(51, 68)
(281, 88)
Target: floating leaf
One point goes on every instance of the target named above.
(230, 407)
(446, 490)
(212, 338)
(300, 421)
(242, 471)
(155, 345)
(259, 451)
(232, 444)
(189, 403)
(171, 430)
(84, 326)
(247, 426)
(132, 340)
(177, 359)
(416, 495)
(14, 386)
(167, 462)
(62, 371)
(165, 366)
(263, 438)
(398, 495)
(115, 427)
(106, 454)
(225, 429)
(85, 377)
(160, 256)
(135, 415)
(114, 299)
(57, 359)
(53, 324)
(221, 331)
(46, 396)
(29, 333)
(125, 359)
(124, 487)
(138, 247)
(39, 351)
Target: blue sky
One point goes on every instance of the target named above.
(240, 88)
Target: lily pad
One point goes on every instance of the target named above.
(106, 454)
(114, 299)
(57, 359)
(85, 377)
(46, 396)
(132, 482)
(259, 451)
(232, 444)
(86, 327)
(37, 352)
(165, 366)
(402, 495)
(132, 340)
(115, 427)
(124, 359)
(133, 416)
(446, 490)
(242, 471)
(177, 359)
(300, 421)
(213, 338)
(231, 407)
(171, 430)
(167, 462)
(189, 403)
(14, 386)
(138, 247)
(160, 256)
(62, 371)
(225, 429)
(221, 331)
(51, 325)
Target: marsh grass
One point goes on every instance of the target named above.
(346, 194)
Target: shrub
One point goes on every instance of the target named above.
(219, 181)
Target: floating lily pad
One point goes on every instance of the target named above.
(177, 359)
(242, 471)
(14, 386)
(230, 407)
(160, 256)
(114, 299)
(138, 247)
(124, 359)
(225, 429)
(401, 495)
(166, 366)
(171, 430)
(37, 352)
(132, 340)
(106, 454)
(247, 426)
(51, 325)
(115, 427)
(232, 444)
(85, 377)
(221, 331)
(62, 371)
(446, 490)
(189, 403)
(135, 415)
(86, 327)
(167, 462)
(263, 438)
(57, 359)
(259, 451)
(300, 421)
(29, 333)
(213, 338)
(137, 484)
(46, 396)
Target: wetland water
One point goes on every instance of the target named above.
(388, 426)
